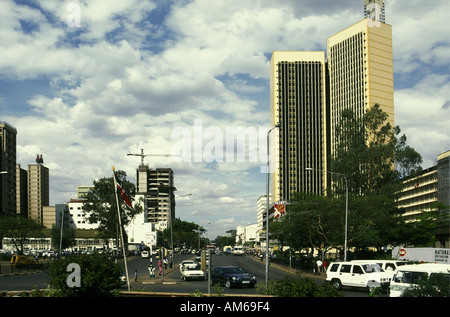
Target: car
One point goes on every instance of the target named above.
(232, 276)
(145, 254)
(187, 262)
(351, 274)
(191, 272)
(407, 276)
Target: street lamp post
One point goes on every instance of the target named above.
(346, 204)
(267, 207)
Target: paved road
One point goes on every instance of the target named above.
(172, 282)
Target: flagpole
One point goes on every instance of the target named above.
(121, 233)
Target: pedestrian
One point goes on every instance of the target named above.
(151, 271)
(319, 266)
(165, 264)
(135, 275)
(160, 266)
(325, 264)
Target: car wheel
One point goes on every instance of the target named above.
(228, 284)
(336, 284)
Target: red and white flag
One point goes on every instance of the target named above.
(123, 193)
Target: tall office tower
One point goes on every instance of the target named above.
(38, 191)
(360, 71)
(157, 186)
(7, 169)
(298, 105)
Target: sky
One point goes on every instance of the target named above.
(87, 82)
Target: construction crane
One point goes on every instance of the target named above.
(142, 155)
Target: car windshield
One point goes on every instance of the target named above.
(191, 268)
(410, 277)
(233, 270)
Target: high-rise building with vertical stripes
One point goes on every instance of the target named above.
(7, 169)
(360, 67)
(38, 191)
(298, 106)
(309, 93)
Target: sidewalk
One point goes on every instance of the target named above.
(310, 275)
(146, 279)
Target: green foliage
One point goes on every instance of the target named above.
(437, 285)
(101, 207)
(301, 287)
(100, 276)
(368, 150)
(184, 233)
(68, 237)
(314, 221)
(19, 229)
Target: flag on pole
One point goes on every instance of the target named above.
(123, 193)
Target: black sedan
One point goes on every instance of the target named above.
(232, 276)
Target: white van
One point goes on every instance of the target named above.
(238, 250)
(350, 274)
(408, 275)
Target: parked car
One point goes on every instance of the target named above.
(409, 275)
(191, 272)
(232, 276)
(350, 274)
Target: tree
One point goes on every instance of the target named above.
(407, 159)
(420, 231)
(68, 237)
(99, 275)
(184, 232)
(372, 153)
(365, 152)
(19, 229)
(374, 158)
(315, 222)
(100, 206)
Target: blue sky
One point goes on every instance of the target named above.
(135, 71)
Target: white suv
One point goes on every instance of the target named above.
(350, 274)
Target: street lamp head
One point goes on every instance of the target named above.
(4, 172)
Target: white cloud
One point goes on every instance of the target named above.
(125, 79)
